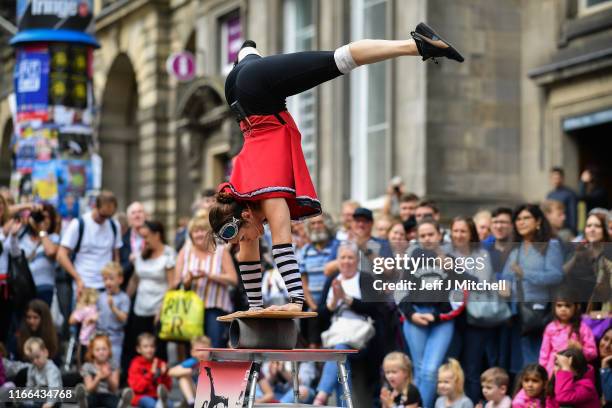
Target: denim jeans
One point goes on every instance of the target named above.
(530, 348)
(216, 331)
(428, 346)
(479, 352)
(45, 293)
(147, 402)
(329, 378)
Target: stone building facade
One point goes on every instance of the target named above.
(468, 135)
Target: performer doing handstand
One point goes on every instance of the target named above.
(270, 181)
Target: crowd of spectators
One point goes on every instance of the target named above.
(544, 339)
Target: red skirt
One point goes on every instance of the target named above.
(271, 164)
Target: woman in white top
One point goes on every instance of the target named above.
(209, 272)
(154, 275)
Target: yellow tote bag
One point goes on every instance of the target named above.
(182, 316)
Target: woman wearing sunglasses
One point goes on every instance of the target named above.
(270, 180)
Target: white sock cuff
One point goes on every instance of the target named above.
(247, 51)
(344, 59)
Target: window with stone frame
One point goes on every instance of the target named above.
(586, 7)
(370, 105)
(299, 33)
(230, 39)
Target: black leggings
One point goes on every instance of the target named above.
(263, 84)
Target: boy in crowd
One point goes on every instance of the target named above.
(148, 375)
(42, 373)
(495, 382)
(113, 308)
(187, 371)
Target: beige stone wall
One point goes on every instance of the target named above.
(473, 108)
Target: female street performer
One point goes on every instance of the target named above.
(270, 181)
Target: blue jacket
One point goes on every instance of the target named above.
(540, 272)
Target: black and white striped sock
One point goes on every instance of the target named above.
(250, 272)
(286, 262)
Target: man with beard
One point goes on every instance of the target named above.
(313, 257)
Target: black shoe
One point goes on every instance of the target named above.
(426, 38)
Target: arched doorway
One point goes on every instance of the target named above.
(204, 147)
(5, 153)
(118, 132)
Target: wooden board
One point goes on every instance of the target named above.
(266, 314)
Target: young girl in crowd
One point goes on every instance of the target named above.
(101, 376)
(450, 386)
(86, 313)
(573, 382)
(532, 393)
(605, 355)
(566, 330)
(401, 392)
(38, 323)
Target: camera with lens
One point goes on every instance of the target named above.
(37, 216)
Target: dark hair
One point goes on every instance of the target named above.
(558, 169)
(208, 192)
(49, 209)
(429, 220)
(409, 224)
(537, 371)
(579, 366)
(471, 227)
(502, 210)
(46, 330)
(225, 207)
(429, 203)
(603, 222)
(408, 197)
(155, 227)
(543, 235)
(569, 295)
(106, 197)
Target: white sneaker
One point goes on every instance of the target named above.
(162, 396)
(126, 398)
(81, 395)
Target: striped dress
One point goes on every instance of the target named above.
(212, 293)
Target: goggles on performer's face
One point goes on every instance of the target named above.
(229, 230)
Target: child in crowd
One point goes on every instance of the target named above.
(573, 382)
(400, 392)
(148, 375)
(566, 330)
(187, 371)
(101, 376)
(86, 313)
(605, 354)
(532, 392)
(37, 323)
(450, 386)
(113, 308)
(495, 382)
(42, 373)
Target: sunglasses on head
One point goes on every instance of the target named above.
(229, 230)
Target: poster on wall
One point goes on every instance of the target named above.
(44, 182)
(31, 84)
